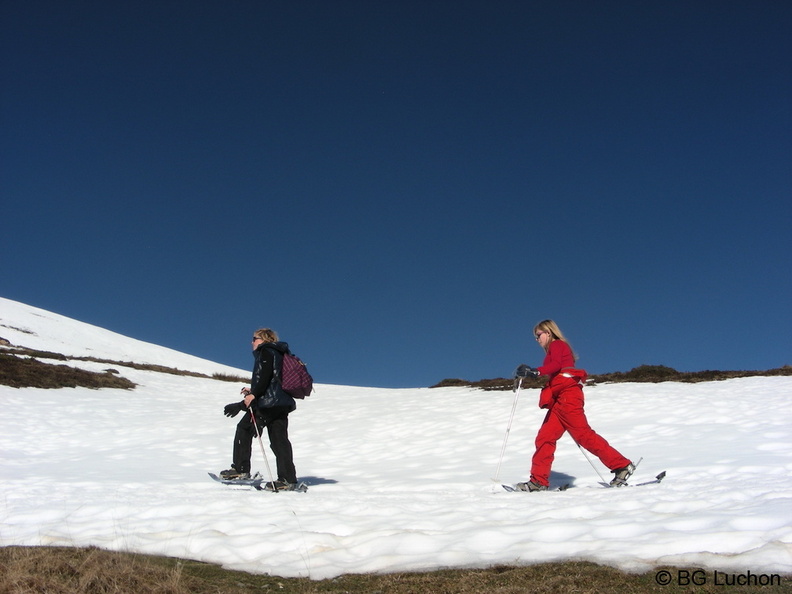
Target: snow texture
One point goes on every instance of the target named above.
(398, 479)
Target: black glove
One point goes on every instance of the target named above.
(525, 371)
(233, 409)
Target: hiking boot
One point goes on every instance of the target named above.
(280, 485)
(531, 486)
(621, 475)
(233, 474)
(229, 472)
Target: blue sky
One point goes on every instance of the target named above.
(403, 189)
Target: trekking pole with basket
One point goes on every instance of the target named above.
(496, 478)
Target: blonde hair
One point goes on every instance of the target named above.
(266, 334)
(555, 333)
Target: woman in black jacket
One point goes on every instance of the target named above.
(271, 406)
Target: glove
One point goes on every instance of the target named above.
(233, 409)
(525, 371)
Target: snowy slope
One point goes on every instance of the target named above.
(38, 329)
(399, 479)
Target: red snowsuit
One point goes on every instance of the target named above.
(563, 396)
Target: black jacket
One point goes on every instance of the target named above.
(265, 384)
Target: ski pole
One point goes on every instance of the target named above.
(261, 446)
(592, 463)
(589, 461)
(508, 429)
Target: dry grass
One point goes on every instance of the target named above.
(23, 372)
(642, 373)
(92, 571)
(23, 368)
(66, 570)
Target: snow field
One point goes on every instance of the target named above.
(399, 479)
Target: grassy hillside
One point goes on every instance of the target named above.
(91, 570)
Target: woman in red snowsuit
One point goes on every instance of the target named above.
(563, 397)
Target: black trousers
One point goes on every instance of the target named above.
(276, 421)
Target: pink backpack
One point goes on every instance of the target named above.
(295, 379)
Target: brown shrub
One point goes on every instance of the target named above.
(25, 372)
(642, 373)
